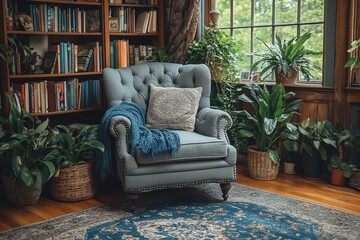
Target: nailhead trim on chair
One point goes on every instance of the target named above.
(138, 190)
(228, 125)
(122, 157)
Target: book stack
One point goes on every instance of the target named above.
(72, 58)
(122, 54)
(129, 21)
(50, 96)
(50, 18)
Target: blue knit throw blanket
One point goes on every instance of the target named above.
(150, 141)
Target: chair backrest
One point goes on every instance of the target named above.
(132, 83)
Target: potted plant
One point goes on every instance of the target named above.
(286, 59)
(30, 60)
(289, 164)
(28, 152)
(318, 141)
(75, 181)
(266, 125)
(219, 51)
(354, 61)
(340, 170)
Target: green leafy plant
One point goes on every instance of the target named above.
(218, 50)
(225, 97)
(27, 147)
(354, 61)
(270, 119)
(285, 55)
(320, 136)
(76, 144)
(348, 168)
(160, 55)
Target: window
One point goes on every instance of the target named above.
(251, 20)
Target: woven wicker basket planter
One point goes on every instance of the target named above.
(261, 166)
(75, 183)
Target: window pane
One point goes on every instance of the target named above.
(244, 37)
(265, 34)
(286, 11)
(224, 7)
(262, 12)
(242, 12)
(312, 10)
(287, 32)
(315, 43)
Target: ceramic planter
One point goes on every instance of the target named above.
(20, 194)
(312, 165)
(289, 168)
(290, 80)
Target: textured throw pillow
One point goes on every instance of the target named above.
(173, 108)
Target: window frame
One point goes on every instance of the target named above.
(329, 34)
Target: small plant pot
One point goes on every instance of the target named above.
(289, 168)
(312, 165)
(290, 80)
(337, 177)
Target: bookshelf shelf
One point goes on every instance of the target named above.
(56, 33)
(36, 76)
(134, 34)
(66, 112)
(132, 5)
(66, 2)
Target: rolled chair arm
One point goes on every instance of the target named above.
(120, 129)
(213, 123)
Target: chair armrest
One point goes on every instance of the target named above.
(213, 123)
(120, 129)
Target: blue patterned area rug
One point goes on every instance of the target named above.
(199, 213)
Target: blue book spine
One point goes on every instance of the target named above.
(62, 55)
(45, 17)
(112, 54)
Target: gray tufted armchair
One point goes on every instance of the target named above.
(205, 155)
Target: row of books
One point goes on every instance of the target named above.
(50, 96)
(145, 2)
(49, 18)
(69, 57)
(125, 19)
(122, 54)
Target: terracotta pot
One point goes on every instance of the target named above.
(290, 80)
(289, 168)
(337, 177)
(20, 194)
(260, 165)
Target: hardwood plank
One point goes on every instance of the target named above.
(295, 186)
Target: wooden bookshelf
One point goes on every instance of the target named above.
(104, 37)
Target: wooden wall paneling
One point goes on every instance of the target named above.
(342, 17)
(106, 33)
(4, 70)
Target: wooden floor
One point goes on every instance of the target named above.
(317, 191)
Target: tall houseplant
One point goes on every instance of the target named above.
(286, 58)
(354, 61)
(28, 151)
(267, 125)
(219, 51)
(75, 181)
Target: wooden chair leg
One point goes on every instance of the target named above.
(131, 199)
(225, 187)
